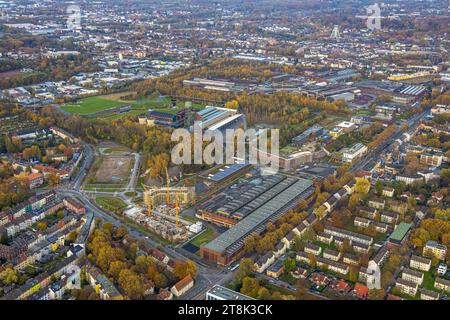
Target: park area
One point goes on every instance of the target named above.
(111, 204)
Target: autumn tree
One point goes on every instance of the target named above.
(131, 283)
(246, 267)
(377, 294)
(250, 287)
(9, 276)
(185, 268)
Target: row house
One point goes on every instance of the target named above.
(353, 236)
(426, 294)
(300, 230)
(361, 247)
(325, 238)
(289, 239)
(361, 222)
(412, 276)
(101, 284)
(331, 254)
(280, 249)
(367, 212)
(333, 266)
(303, 257)
(420, 263)
(380, 226)
(350, 187)
(42, 280)
(351, 259)
(377, 203)
(389, 217)
(264, 262)
(407, 287)
(313, 249)
(331, 203)
(442, 284)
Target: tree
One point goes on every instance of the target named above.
(115, 268)
(362, 186)
(289, 264)
(302, 288)
(9, 276)
(377, 294)
(246, 267)
(320, 212)
(131, 283)
(263, 294)
(250, 287)
(250, 243)
(53, 179)
(419, 237)
(107, 255)
(353, 201)
(71, 237)
(120, 232)
(312, 260)
(185, 268)
(379, 187)
(386, 278)
(141, 264)
(393, 262)
(41, 225)
(160, 280)
(232, 104)
(353, 274)
(60, 214)
(443, 214)
(157, 164)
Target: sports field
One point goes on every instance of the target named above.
(91, 105)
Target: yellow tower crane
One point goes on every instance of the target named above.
(149, 206)
(177, 210)
(168, 188)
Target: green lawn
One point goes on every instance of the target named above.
(204, 237)
(111, 203)
(428, 280)
(91, 105)
(131, 113)
(116, 149)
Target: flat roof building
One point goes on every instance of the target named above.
(226, 247)
(219, 292)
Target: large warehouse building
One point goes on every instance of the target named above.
(276, 196)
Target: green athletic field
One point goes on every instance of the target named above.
(91, 105)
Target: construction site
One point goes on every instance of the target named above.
(161, 215)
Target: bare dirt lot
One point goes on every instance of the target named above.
(114, 169)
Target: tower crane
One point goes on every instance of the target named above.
(168, 188)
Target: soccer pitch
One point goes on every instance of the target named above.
(91, 105)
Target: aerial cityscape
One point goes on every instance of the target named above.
(224, 150)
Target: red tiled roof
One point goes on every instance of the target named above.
(361, 290)
(183, 283)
